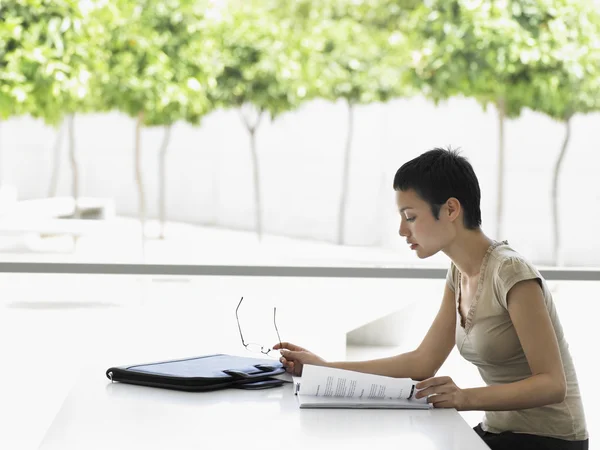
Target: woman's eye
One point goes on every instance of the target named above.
(410, 219)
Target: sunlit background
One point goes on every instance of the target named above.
(267, 133)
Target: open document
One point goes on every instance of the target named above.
(325, 387)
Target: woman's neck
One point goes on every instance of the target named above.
(467, 251)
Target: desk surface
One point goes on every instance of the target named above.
(98, 414)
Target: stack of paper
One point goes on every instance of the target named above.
(325, 387)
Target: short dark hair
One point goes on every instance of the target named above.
(439, 174)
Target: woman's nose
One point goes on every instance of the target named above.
(403, 231)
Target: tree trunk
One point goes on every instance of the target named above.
(138, 172)
(556, 254)
(256, 178)
(500, 175)
(74, 168)
(345, 176)
(53, 188)
(162, 177)
(252, 127)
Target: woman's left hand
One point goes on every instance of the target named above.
(443, 393)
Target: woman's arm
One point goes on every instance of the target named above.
(423, 362)
(547, 383)
(545, 386)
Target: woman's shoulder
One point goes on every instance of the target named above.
(504, 255)
(509, 267)
(451, 276)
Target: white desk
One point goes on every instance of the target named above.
(98, 414)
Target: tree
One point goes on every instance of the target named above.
(12, 95)
(360, 58)
(262, 60)
(192, 56)
(573, 32)
(154, 70)
(199, 78)
(488, 51)
(44, 63)
(53, 186)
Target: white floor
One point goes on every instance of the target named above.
(191, 244)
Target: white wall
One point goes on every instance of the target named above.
(209, 172)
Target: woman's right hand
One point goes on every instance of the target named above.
(293, 357)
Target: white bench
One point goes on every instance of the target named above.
(61, 207)
(52, 217)
(57, 227)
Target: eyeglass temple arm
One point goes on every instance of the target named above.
(238, 322)
(275, 323)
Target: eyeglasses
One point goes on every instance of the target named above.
(250, 345)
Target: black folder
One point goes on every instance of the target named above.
(202, 373)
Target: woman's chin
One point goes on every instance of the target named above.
(422, 253)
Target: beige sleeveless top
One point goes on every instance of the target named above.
(489, 340)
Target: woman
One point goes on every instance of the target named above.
(496, 308)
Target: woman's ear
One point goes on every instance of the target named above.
(453, 208)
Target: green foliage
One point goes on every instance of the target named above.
(524, 52)
(177, 59)
(573, 87)
(263, 55)
(157, 59)
(381, 15)
(44, 56)
(358, 51)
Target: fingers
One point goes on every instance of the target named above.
(279, 346)
(443, 389)
(286, 363)
(441, 401)
(441, 392)
(287, 345)
(291, 356)
(290, 366)
(435, 385)
(435, 381)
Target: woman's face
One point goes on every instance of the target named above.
(425, 234)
